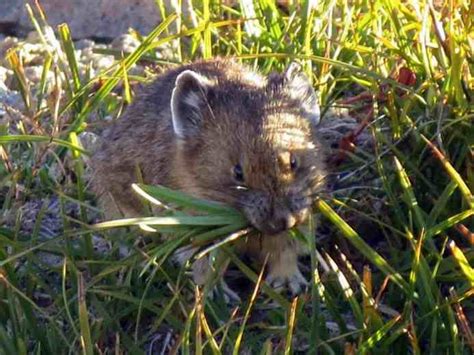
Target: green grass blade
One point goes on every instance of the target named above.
(162, 193)
(69, 50)
(86, 339)
(362, 246)
(462, 262)
(240, 334)
(41, 139)
(290, 327)
(410, 195)
(449, 222)
(214, 220)
(455, 176)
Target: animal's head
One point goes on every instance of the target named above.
(249, 141)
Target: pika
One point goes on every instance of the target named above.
(220, 131)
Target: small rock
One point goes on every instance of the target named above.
(33, 37)
(104, 62)
(137, 70)
(11, 99)
(337, 124)
(32, 54)
(5, 45)
(3, 88)
(168, 51)
(4, 74)
(101, 245)
(99, 61)
(89, 140)
(126, 43)
(33, 74)
(83, 44)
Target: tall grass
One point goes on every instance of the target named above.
(391, 268)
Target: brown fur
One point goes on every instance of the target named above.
(236, 117)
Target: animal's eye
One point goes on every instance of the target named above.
(293, 162)
(238, 173)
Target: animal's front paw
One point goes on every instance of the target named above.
(279, 277)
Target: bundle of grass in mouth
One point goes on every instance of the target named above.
(189, 220)
(195, 225)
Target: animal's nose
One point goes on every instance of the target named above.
(288, 221)
(281, 222)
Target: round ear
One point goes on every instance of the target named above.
(188, 103)
(300, 88)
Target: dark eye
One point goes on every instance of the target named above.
(293, 162)
(238, 173)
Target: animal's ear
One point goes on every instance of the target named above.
(300, 88)
(188, 102)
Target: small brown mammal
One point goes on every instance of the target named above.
(220, 131)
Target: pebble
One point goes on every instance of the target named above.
(125, 43)
(5, 45)
(33, 74)
(9, 98)
(4, 74)
(83, 44)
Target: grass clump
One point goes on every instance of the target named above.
(392, 264)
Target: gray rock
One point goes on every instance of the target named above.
(5, 45)
(9, 98)
(126, 43)
(89, 140)
(11, 11)
(83, 44)
(33, 37)
(4, 74)
(33, 74)
(88, 19)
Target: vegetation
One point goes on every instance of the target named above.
(393, 261)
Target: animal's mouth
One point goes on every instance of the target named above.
(275, 225)
(270, 229)
(277, 216)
